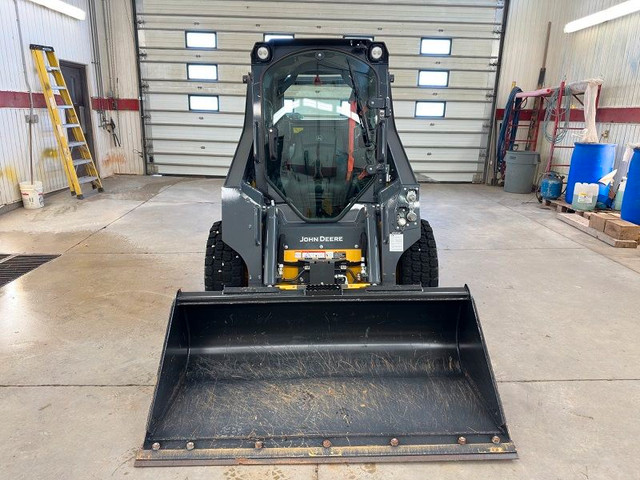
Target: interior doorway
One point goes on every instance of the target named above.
(75, 76)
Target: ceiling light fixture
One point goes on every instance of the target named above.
(617, 11)
(62, 7)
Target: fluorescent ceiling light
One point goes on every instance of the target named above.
(617, 11)
(63, 7)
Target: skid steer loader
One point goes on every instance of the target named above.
(322, 336)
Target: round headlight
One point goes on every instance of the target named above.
(263, 53)
(376, 53)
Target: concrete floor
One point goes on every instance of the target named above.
(80, 337)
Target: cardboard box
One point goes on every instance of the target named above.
(622, 230)
(598, 220)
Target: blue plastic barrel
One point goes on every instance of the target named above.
(589, 163)
(631, 200)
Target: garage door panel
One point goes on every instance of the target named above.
(421, 139)
(409, 78)
(180, 103)
(194, 148)
(440, 94)
(470, 166)
(416, 62)
(195, 119)
(178, 71)
(403, 108)
(197, 88)
(216, 161)
(331, 27)
(410, 139)
(453, 109)
(173, 39)
(397, 62)
(263, 11)
(451, 177)
(192, 133)
(463, 47)
(449, 148)
(442, 126)
(442, 154)
(192, 170)
(163, 71)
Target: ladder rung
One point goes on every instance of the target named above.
(64, 107)
(70, 125)
(81, 161)
(58, 87)
(87, 179)
(76, 144)
(53, 69)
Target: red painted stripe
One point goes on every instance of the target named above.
(9, 99)
(604, 115)
(21, 100)
(98, 103)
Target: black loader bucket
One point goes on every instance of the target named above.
(372, 375)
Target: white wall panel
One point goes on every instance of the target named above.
(117, 62)
(609, 51)
(71, 40)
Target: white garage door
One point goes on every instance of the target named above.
(443, 55)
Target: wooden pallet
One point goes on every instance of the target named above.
(582, 223)
(561, 206)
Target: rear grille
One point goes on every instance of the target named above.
(15, 267)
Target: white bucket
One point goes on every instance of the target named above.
(32, 196)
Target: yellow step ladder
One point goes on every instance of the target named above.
(65, 119)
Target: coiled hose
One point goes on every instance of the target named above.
(562, 131)
(502, 148)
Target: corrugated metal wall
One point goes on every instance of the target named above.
(72, 41)
(610, 51)
(43, 26)
(116, 34)
(444, 149)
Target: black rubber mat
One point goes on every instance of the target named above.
(17, 266)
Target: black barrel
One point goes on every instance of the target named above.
(374, 375)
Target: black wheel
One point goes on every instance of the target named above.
(223, 267)
(419, 264)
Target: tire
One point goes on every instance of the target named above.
(223, 267)
(419, 264)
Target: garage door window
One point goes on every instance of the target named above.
(430, 109)
(359, 37)
(433, 78)
(203, 40)
(435, 46)
(277, 36)
(204, 103)
(202, 72)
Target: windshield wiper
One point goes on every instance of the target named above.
(359, 109)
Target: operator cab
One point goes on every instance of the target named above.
(320, 133)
